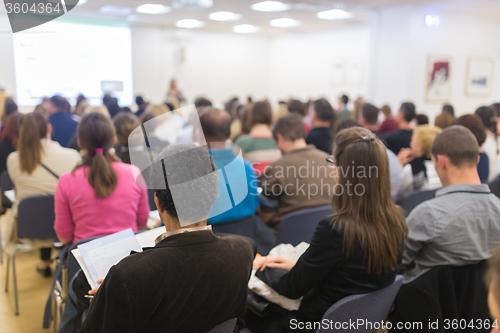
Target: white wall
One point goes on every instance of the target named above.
(7, 72)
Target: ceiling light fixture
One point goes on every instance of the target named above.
(225, 16)
(270, 6)
(245, 28)
(285, 23)
(115, 10)
(432, 21)
(334, 14)
(150, 8)
(189, 24)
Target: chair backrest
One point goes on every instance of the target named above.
(299, 226)
(225, 327)
(6, 185)
(371, 308)
(151, 198)
(35, 218)
(495, 186)
(416, 198)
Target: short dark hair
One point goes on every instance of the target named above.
(422, 119)
(458, 144)
(475, 125)
(369, 112)
(139, 100)
(346, 123)
(408, 110)
(261, 113)
(449, 108)
(496, 107)
(345, 99)
(487, 116)
(290, 127)
(324, 110)
(202, 102)
(296, 106)
(10, 106)
(216, 124)
(190, 165)
(60, 103)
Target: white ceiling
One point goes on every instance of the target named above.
(303, 10)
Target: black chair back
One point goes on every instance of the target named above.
(6, 185)
(416, 198)
(495, 186)
(35, 218)
(151, 197)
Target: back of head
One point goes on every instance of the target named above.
(60, 103)
(496, 108)
(139, 100)
(425, 136)
(216, 125)
(202, 102)
(231, 105)
(369, 112)
(290, 127)
(422, 119)
(366, 212)
(96, 135)
(10, 132)
(408, 111)
(344, 99)
(324, 111)
(487, 116)
(34, 128)
(107, 99)
(296, 106)
(444, 120)
(459, 145)
(386, 110)
(10, 107)
(192, 171)
(261, 113)
(449, 109)
(125, 123)
(347, 123)
(475, 125)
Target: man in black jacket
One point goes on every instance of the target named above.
(192, 280)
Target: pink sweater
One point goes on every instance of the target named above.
(80, 214)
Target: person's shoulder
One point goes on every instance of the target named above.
(13, 158)
(423, 210)
(316, 152)
(238, 246)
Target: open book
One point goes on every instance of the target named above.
(98, 256)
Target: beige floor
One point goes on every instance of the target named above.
(33, 293)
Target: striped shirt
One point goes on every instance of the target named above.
(460, 226)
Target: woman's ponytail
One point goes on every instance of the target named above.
(102, 177)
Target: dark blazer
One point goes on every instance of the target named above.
(188, 283)
(323, 276)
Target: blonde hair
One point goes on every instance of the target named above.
(425, 135)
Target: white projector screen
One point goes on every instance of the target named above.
(68, 58)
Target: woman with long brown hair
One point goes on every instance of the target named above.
(101, 196)
(356, 251)
(34, 169)
(8, 137)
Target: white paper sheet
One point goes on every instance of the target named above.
(11, 195)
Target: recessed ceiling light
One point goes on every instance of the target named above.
(270, 6)
(245, 28)
(334, 14)
(285, 23)
(225, 16)
(150, 8)
(115, 10)
(189, 24)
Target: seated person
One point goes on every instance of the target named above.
(389, 125)
(101, 196)
(301, 179)
(402, 138)
(461, 225)
(216, 126)
(421, 119)
(63, 122)
(354, 252)
(192, 280)
(343, 111)
(297, 107)
(322, 122)
(258, 146)
(125, 123)
(418, 170)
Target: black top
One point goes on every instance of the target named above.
(323, 276)
(321, 138)
(397, 141)
(188, 283)
(5, 149)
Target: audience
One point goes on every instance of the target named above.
(421, 119)
(101, 196)
(418, 169)
(258, 146)
(474, 124)
(389, 125)
(63, 122)
(35, 169)
(300, 179)
(491, 146)
(461, 225)
(323, 120)
(192, 280)
(343, 111)
(9, 137)
(402, 138)
(297, 107)
(356, 251)
(216, 126)
(444, 120)
(9, 108)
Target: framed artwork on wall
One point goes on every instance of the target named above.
(479, 81)
(438, 88)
